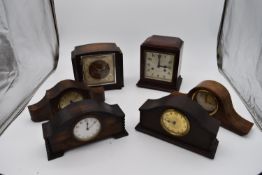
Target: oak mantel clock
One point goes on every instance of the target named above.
(81, 123)
(60, 96)
(180, 121)
(99, 64)
(216, 100)
(160, 63)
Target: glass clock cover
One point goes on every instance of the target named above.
(99, 69)
(87, 129)
(159, 66)
(175, 122)
(68, 98)
(207, 100)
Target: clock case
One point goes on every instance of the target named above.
(58, 132)
(98, 49)
(200, 139)
(167, 45)
(226, 113)
(48, 105)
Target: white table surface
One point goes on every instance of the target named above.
(128, 23)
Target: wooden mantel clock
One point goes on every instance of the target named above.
(180, 121)
(60, 96)
(82, 123)
(216, 100)
(160, 63)
(99, 64)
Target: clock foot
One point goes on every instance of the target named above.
(157, 86)
(50, 154)
(122, 134)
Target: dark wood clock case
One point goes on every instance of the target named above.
(99, 48)
(203, 130)
(48, 105)
(58, 133)
(162, 44)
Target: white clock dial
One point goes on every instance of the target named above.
(87, 129)
(159, 66)
(99, 69)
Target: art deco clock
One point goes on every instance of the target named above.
(82, 123)
(216, 100)
(60, 96)
(181, 121)
(99, 64)
(160, 62)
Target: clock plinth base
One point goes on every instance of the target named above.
(51, 155)
(119, 135)
(163, 87)
(210, 153)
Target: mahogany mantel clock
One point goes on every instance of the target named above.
(82, 123)
(181, 121)
(60, 96)
(99, 64)
(160, 62)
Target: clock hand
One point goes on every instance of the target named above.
(87, 128)
(158, 64)
(92, 124)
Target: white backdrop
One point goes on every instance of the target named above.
(128, 23)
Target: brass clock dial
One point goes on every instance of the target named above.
(207, 100)
(68, 98)
(87, 129)
(99, 69)
(175, 122)
(159, 66)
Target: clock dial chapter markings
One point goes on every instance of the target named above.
(86, 129)
(159, 66)
(175, 123)
(99, 69)
(207, 101)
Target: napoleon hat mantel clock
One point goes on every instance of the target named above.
(160, 63)
(81, 123)
(180, 121)
(61, 95)
(216, 100)
(99, 64)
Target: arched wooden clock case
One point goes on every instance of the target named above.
(202, 132)
(60, 132)
(50, 103)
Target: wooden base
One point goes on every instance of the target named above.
(156, 86)
(210, 153)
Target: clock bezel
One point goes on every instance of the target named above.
(99, 49)
(175, 84)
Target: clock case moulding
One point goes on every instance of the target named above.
(200, 139)
(96, 49)
(226, 113)
(48, 105)
(162, 44)
(58, 131)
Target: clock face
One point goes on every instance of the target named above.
(68, 98)
(159, 66)
(207, 100)
(175, 123)
(87, 129)
(99, 69)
